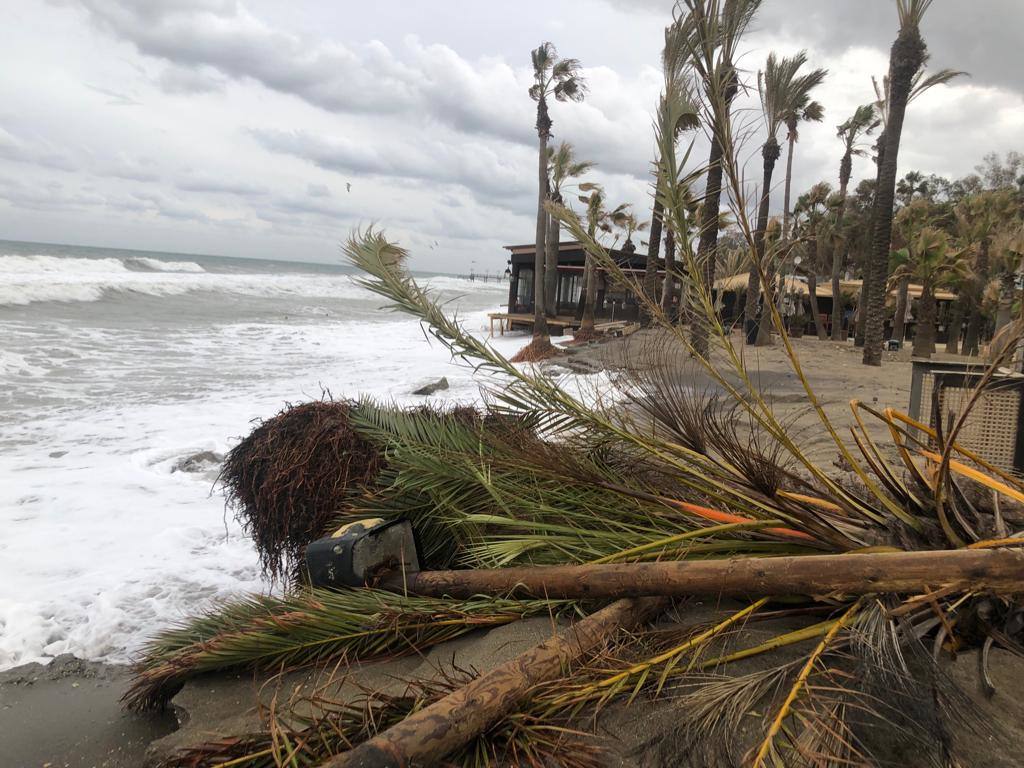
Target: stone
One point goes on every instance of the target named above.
(433, 387)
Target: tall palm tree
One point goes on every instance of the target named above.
(710, 34)
(783, 90)
(863, 121)
(906, 58)
(562, 167)
(674, 93)
(808, 111)
(933, 263)
(920, 83)
(598, 219)
(560, 79)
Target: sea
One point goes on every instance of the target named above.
(118, 366)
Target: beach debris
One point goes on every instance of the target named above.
(287, 480)
(428, 735)
(377, 554)
(198, 462)
(432, 387)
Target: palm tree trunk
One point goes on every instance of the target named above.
(845, 169)
(551, 263)
(956, 318)
(858, 331)
(667, 292)
(812, 290)
(899, 320)
(924, 334)
(974, 319)
(651, 265)
(708, 244)
(905, 59)
(770, 152)
(789, 179)
(540, 324)
(1005, 312)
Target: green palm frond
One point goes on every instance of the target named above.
(315, 626)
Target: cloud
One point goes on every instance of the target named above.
(184, 81)
(220, 186)
(34, 151)
(481, 168)
(318, 190)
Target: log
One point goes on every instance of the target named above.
(851, 574)
(425, 737)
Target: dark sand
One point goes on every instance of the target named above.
(67, 713)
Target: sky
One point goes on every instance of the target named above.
(266, 129)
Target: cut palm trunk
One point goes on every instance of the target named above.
(426, 736)
(851, 574)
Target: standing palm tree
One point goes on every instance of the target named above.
(931, 261)
(808, 111)
(863, 121)
(674, 94)
(563, 166)
(710, 33)
(978, 218)
(562, 80)
(919, 84)
(598, 219)
(906, 57)
(811, 223)
(782, 91)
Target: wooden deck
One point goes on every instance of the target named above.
(557, 325)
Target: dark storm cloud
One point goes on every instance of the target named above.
(982, 37)
(368, 79)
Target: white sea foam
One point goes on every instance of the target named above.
(28, 279)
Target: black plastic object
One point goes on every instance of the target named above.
(362, 552)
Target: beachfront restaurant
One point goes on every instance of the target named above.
(613, 302)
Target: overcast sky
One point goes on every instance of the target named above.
(236, 128)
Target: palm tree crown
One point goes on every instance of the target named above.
(552, 76)
(785, 93)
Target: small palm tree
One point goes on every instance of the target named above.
(863, 121)
(560, 79)
(563, 167)
(1008, 264)
(812, 224)
(933, 263)
(978, 219)
(784, 92)
(598, 219)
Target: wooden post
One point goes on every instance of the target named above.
(425, 737)
(851, 574)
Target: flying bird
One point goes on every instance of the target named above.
(348, 187)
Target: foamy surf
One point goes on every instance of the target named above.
(105, 537)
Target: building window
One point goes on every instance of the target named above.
(570, 286)
(524, 288)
